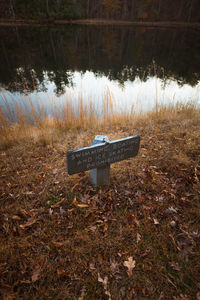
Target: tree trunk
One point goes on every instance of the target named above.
(12, 9)
(47, 7)
(88, 8)
(190, 10)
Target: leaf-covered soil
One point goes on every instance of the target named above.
(137, 238)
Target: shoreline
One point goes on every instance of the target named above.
(47, 22)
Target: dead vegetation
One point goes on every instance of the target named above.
(135, 239)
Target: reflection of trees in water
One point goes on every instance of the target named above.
(30, 56)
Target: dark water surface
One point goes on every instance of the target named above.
(135, 66)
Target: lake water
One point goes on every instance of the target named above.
(136, 67)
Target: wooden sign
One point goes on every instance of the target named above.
(101, 154)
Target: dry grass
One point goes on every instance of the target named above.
(25, 118)
(52, 248)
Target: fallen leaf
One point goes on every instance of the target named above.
(130, 264)
(82, 205)
(105, 227)
(41, 176)
(83, 292)
(93, 228)
(147, 207)
(143, 291)
(100, 258)
(186, 245)
(108, 294)
(36, 274)
(194, 234)
(92, 267)
(175, 266)
(28, 224)
(57, 244)
(171, 210)
(196, 174)
(47, 168)
(145, 253)
(171, 282)
(70, 226)
(85, 198)
(29, 193)
(172, 223)
(74, 187)
(114, 267)
(6, 292)
(75, 202)
(105, 283)
(62, 212)
(16, 218)
(132, 218)
(185, 200)
(138, 237)
(58, 203)
(198, 296)
(61, 272)
(161, 296)
(182, 297)
(155, 221)
(99, 221)
(55, 171)
(24, 213)
(123, 292)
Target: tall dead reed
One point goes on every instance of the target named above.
(22, 117)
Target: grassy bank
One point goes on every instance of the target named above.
(138, 238)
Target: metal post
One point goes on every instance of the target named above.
(100, 176)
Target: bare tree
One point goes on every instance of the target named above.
(47, 7)
(12, 9)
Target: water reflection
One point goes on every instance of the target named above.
(138, 95)
(135, 67)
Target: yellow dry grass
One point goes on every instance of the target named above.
(24, 118)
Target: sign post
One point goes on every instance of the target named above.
(98, 157)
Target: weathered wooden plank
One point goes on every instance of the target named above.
(101, 153)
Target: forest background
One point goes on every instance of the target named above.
(135, 10)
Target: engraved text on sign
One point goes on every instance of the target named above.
(105, 153)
